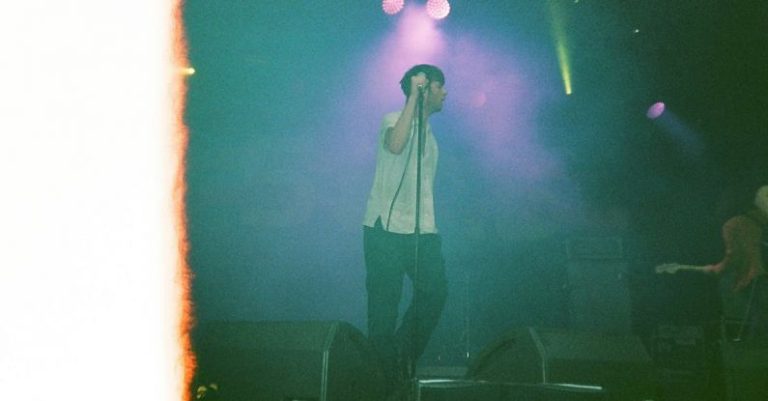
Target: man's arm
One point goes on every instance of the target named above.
(742, 238)
(731, 238)
(397, 136)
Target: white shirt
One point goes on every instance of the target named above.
(399, 217)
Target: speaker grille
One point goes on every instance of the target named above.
(287, 360)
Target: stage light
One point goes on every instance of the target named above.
(438, 9)
(392, 7)
(656, 110)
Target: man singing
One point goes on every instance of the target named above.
(390, 230)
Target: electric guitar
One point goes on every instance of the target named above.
(735, 304)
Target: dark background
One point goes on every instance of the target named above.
(284, 110)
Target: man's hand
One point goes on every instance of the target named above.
(670, 268)
(419, 80)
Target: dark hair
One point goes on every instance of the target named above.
(433, 74)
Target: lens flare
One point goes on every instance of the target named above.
(94, 285)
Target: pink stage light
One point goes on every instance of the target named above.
(656, 110)
(392, 7)
(438, 9)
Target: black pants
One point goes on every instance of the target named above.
(757, 319)
(746, 311)
(388, 258)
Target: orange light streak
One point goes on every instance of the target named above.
(181, 136)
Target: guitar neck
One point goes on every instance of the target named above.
(675, 267)
(692, 268)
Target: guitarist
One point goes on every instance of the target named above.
(746, 263)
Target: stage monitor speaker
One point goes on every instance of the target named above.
(619, 364)
(287, 361)
(746, 370)
(467, 390)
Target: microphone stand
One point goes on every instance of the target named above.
(420, 139)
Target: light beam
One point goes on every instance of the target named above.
(561, 44)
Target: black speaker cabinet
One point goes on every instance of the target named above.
(619, 364)
(598, 285)
(286, 361)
